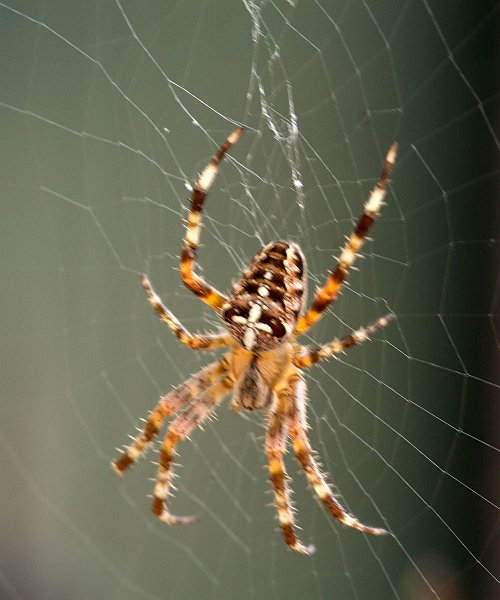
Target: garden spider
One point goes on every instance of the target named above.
(262, 317)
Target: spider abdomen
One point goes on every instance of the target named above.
(266, 302)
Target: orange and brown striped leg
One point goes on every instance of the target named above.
(196, 341)
(193, 281)
(297, 421)
(275, 448)
(193, 416)
(337, 346)
(167, 406)
(328, 293)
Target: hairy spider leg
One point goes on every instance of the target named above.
(296, 393)
(277, 433)
(195, 341)
(194, 282)
(312, 355)
(167, 406)
(183, 425)
(328, 293)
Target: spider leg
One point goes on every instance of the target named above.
(326, 295)
(169, 405)
(192, 416)
(296, 393)
(194, 341)
(312, 356)
(276, 436)
(194, 282)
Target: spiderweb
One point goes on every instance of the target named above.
(108, 111)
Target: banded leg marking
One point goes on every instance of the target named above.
(338, 346)
(305, 456)
(329, 292)
(194, 341)
(193, 416)
(167, 406)
(275, 448)
(194, 282)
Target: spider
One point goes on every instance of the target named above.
(262, 317)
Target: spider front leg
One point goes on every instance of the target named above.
(337, 346)
(329, 292)
(277, 433)
(296, 395)
(196, 341)
(194, 282)
(167, 406)
(193, 416)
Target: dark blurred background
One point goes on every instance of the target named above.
(108, 110)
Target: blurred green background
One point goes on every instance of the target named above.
(108, 110)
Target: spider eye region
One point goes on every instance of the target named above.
(266, 302)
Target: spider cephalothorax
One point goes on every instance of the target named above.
(262, 317)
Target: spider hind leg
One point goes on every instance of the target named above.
(192, 280)
(328, 293)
